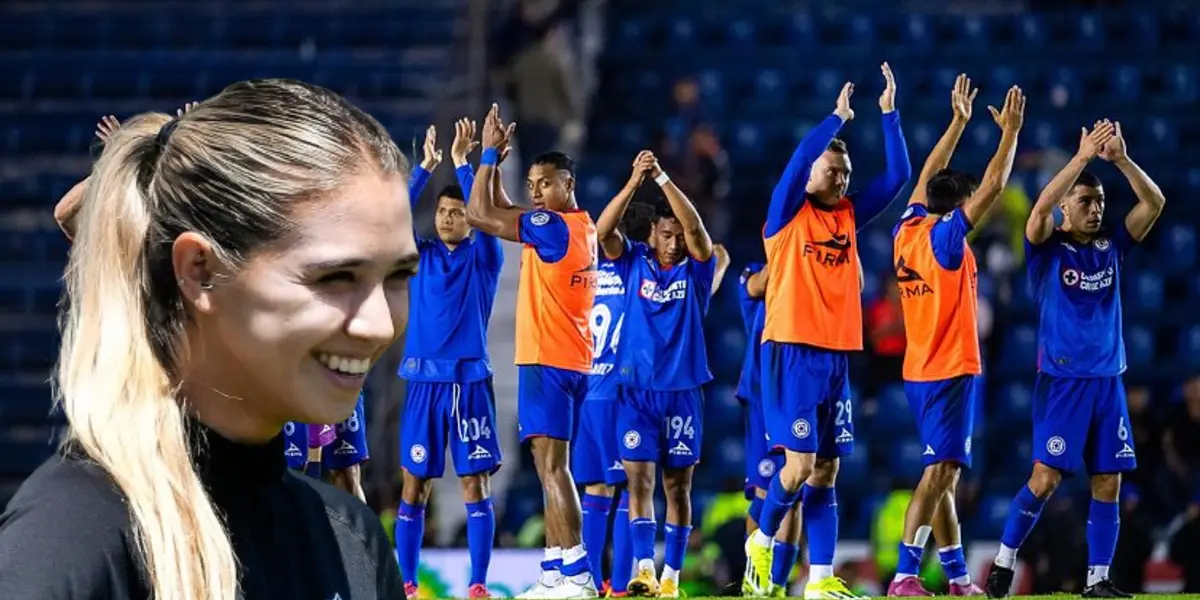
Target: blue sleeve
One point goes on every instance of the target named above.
(1123, 240)
(788, 196)
(876, 197)
(949, 238)
(547, 232)
(487, 247)
(913, 212)
(623, 264)
(466, 179)
(748, 303)
(416, 184)
(703, 273)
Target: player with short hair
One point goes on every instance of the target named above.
(662, 364)
(595, 461)
(1080, 419)
(450, 403)
(553, 341)
(813, 321)
(336, 451)
(937, 277)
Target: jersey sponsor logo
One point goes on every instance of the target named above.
(479, 453)
(649, 290)
(1101, 244)
(632, 439)
(292, 451)
(1056, 446)
(912, 284)
(418, 453)
(346, 449)
(602, 369)
(539, 218)
(585, 277)
(1069, 246)
(801, 428)
(617, 466)
(845, 437)
(833, 252)
(928, 451)
(766, 467)
(608, 283)
(1126, 452)
(680, 449)
(1089, 282)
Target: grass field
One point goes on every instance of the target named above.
(1052, 597)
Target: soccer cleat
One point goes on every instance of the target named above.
(669, 588)
(573, 588)
(758, 559)
(478, 590)
(546, 582)
(999, 582)
(965, 590)
(907, 587)
(830, 588)
(605, 589)
(644, 585)
(410, 591)
(1104, 589)
(777, 591)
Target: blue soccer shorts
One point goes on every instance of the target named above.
(1082, 424)
(806, 399)
(945, 412)
(661, 427)
(594, 456)
(350, 447)
(761, 463)
(459, 417)
(547, 399)
(295, 444)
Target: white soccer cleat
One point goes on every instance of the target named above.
(548, 580)
(578, 586)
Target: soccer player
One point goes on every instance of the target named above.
(813, 321)
(553, 340)
(937, 275)
(450, 400)
(761, 463)
(661, 362)
(1080, 420)
(595, 461)
(305, 450)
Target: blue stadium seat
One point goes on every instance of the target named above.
(742, 32)
(893, 406)
(993, 512)
(1178, 248)
(1126, 83)
(976, 31)
(904, 460)
(1031, 30)
(1145, 294)
(1181, 83)
(1012, 407)
(749, 143)
(1139, 346)
(598, 190)
(1019, 349)
(682, 33)
(875, 249)
(917, 32)
(1089, 31)
(1189, 347)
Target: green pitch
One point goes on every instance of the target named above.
(1053, 597)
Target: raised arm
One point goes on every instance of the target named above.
(699, 245)
(482, 212)
(876, 197)
(68, 207)
(756, 283)
(422, 172)
(1150, 199)
(1010, 118)
(608, 231)
(1041, 219)
(961, 99)
(722, 256)
(788, 196)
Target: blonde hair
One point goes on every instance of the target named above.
(229, 170)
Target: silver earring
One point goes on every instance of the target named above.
(206, 286)
(180, 282)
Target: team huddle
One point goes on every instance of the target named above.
(609, 331)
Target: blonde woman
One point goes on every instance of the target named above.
(234, 268)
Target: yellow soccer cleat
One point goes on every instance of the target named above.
(669, 588)
(777, 591)
(830, 588)
(645, 585)
(759, 559)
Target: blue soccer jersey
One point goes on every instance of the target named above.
(608, 315)
(455, 289)
(1077, 287)
(662, 345)
(753, 316)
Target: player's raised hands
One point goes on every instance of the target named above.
(843, 109)
(1092, 142)
(642, 165)
(187, 107)
(495, 132)
(1114, 149)
(887, 100)
(1012, 115)
(962, 97)
(507, 145)
(107, 126)
(464, 141)
(433, 156)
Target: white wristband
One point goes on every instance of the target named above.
(662, 179)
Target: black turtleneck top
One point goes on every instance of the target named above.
(67, 534)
